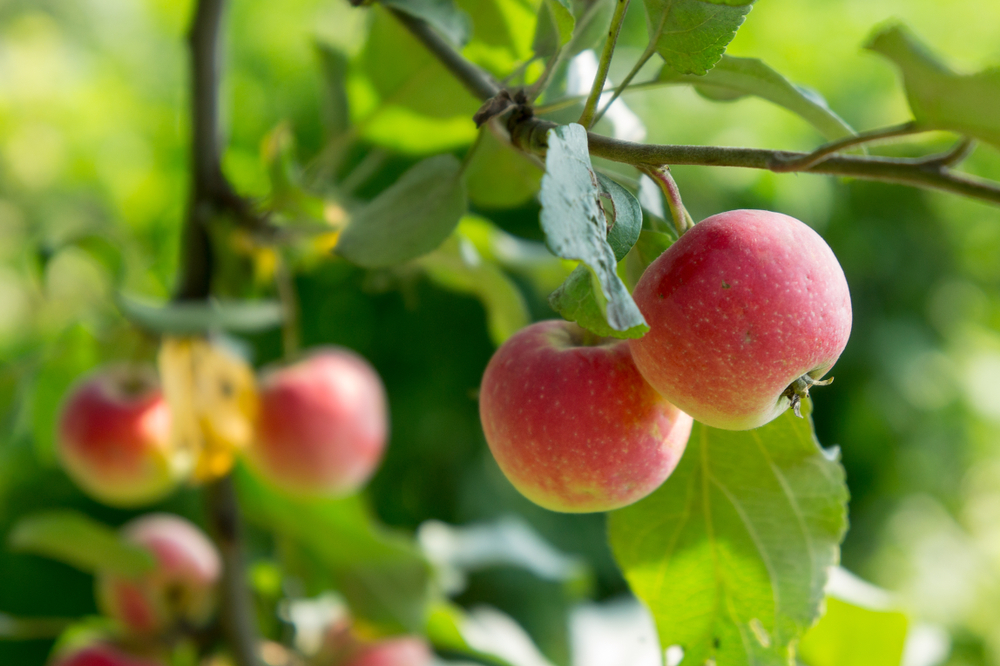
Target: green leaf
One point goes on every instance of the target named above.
(499, 176)
(32, 628)
(968, 104)
(575, 226)
(337, 114)
(443, 15)
(855, 635)
(731, 553)
(410, 218)
(190, 317)
(555, 27)
(734, 77)
(79, 541)
(651, 244)
(457, 266)
(628, 217)
(383, 576)
(692, 35)
(591, 26)
(578, 299)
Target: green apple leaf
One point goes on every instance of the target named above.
(189, 317)
(651, 244)
(337, 111)
(458, 266)
(555, 27)
(382, 574)
(627, 216)
(32, 628)
(79, 541)
(591, 27)
(443, 15)
(447, 630)
(410, 218)
(939, 98)
(578, 299)
(575, 225)
(692, 35)
(852, 634)
(499, 176)
(732, 552)
(733, 77)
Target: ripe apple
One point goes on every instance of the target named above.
(113, 437)
(181, 589)
(101, 655)
(401, 651)
(572, 423)
(746, 311)
(322, 424)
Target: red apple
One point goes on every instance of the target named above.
(573, 424)
(322, 424)
(113, 437)
(181, 589)
(101, 655)
(746, 311)
(401, 651)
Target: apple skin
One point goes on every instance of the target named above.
(401, 651)
(572, 423)
(113, 437)
(181, 589)
(740, 307)
(322, 424)
(101, 655)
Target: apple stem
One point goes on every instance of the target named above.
(799, 389)
(661, 176)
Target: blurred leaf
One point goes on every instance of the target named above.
(591, 26)
(287, 194)
(484, 634)
(383, 576)
(105, 252)
(195, 317)
(443, 15)
(578, 299)
(79, 541)
(338, 111)
(627, 213)
(457, 266)
(575, 226)
(939, 98)
(731, 553)
(692, 35)
(444, 630)
(528, 259)
(31, 628)
(499, 176)
(503, 33)
(851, 634)
(651, 244)
(734, 77)
(554, 28)
(410, 218)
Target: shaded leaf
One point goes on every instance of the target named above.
(731, 553)
(692, 35)
(410, 218)
(79, 541)
(575, 226)
(31, 628)
(443, 15)
(499, 176)
(337, 114)
(628, 216)
(651, 244)
(578, 299)
(555, 27)
(939, 98)
(733, 77)
(192, 317)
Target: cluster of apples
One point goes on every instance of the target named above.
(746, 311)
(320, 428)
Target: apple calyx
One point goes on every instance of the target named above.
(799, 389)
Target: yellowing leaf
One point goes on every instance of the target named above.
(213, 399)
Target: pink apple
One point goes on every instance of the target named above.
(322, 424)
(101, 655)
(401, 651)
(573, 424)
(181, 589)
(113, 437)
(746, 311)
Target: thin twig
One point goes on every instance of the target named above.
(538, 87)
(834, 147)
(661, 176)
(955, 155)
(590, 108)
(643, 59)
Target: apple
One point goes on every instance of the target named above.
(572, 423)
(400, 651)
(101, 655)
(322, 424)
(113, 437)
(746, 311)
(181, 589)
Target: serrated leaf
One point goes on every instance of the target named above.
(555, 27)
(443, 15)
(732, 552)
(409, 219)
(939, 98)
(733, 77)
(192, 317)
(855, 635)
(575, 226)
(692, 35)
(457, 266)
(628, 216)
(579, 299)
(79, 541)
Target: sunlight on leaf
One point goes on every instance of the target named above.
(691, 35)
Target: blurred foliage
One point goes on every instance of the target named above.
(93, 178)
